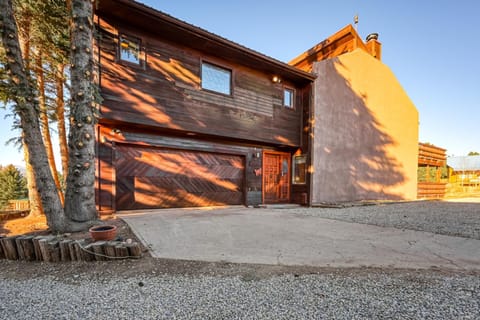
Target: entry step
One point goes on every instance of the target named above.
(278, 206)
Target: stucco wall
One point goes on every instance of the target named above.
(365, 132)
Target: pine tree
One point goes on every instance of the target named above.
(12, 185)
(80, 211)
(44, 39)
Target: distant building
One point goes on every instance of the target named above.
(464, 170)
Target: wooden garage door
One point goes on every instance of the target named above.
(149, 177)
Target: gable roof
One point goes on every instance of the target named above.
(344, 41)
(178, 31)
(465, 163)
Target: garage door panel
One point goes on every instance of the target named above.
(166, 178)
(183, 199)
(124, 191)
(192, 185)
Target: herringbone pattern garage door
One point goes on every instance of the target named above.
(149, 177)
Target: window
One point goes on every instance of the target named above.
(299, 169)
(288, 98)
(216, 79)
(130, 49)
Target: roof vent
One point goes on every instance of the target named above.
(372, 36)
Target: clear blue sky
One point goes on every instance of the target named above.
(433, 47)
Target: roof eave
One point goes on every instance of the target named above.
(266, 62)
(345, 32)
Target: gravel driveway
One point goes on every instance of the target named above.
(132, 291)
(461, 219)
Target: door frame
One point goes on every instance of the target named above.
(288, 156)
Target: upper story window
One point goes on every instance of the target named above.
(130, 49)
(216, 79)
(288, 98)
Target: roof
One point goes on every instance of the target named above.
(178, 31)
(343, 41)
(465, 163)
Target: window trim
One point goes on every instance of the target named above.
(141, 62)
(292, 98)
(219, 66)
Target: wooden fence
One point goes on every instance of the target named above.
(18, 205)
(431, 190)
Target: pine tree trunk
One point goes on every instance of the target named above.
(80, 193)
(34, 199)
(27, 109)
(60, 106)
(47, 140)
(33, 196)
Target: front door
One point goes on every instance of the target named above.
(276, 177)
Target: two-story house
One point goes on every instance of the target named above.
(189, 118)
(192, 119)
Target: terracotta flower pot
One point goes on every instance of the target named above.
(106, 232)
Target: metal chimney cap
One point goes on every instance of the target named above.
(372, 36)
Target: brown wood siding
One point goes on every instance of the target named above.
(105, 176)
(165, 93)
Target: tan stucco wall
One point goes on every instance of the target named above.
(365, 143)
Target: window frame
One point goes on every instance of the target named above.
(290, 106)
(294, 166)
(130, 38)
(221, 67)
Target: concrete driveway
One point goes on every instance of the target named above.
(281, 237)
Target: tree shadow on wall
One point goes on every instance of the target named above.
(353, 159)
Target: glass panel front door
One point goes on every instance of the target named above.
(276, 177)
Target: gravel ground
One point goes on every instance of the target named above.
(350, 294)
(173, 289)
(447, 218)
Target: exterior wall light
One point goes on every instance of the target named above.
(276, 79)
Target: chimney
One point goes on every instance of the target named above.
(373, 46)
